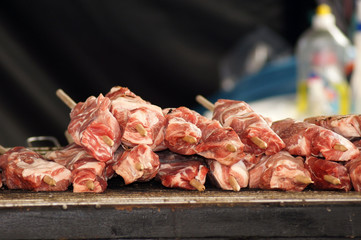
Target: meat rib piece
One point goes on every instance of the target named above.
(180, 171)
(328, 175)
(306, 139)
(232, 177)
(141, 122)
(87, 173)
(28, 170)
(280, 171)
(348, 126)
(253, 130)
(138, 164)
(94, 127)
(354, 170)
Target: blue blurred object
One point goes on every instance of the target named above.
(275, 78)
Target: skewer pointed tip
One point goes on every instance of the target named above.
(197, 184)
(90, 185)
(303, 179)
(331, 179)
(259, 142)
(234, 184)
(141, 130)
(190, 139)
(108, 141)
(49, 180)
(340, 147)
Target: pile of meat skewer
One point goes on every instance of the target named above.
(120, 134)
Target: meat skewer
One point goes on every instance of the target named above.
(140, 121)
(137, 164)
(280, 171)
(253, 130)
(327, 175)
(180, 171)
(188, 133)
(348, 126)
(88, 174)
(93, 126)
(306, 139)
(232, 177)
(28, 170)
(354, 170)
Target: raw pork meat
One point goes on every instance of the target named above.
(220, 143)
(280, 171)
(182, 134)
(190, 133)
(88, 174)
(180, 171)
(137, 164)
(28, 170)
(253, 130)
(348, 126)
(306, 139)
(354, 170)
(232, 177)
(328, 175)
(94, 127)
(140, 121)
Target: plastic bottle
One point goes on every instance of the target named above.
(356, 74)
(321, 54)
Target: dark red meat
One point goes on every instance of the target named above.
(354, 170)
(328, 175)
(306, 139)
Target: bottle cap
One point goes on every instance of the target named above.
(323, 9)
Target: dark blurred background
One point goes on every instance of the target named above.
(165, 51)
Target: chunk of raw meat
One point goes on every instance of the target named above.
(280, 171)
(137, 164)
(94, 127)
(28, 170)
(180, 171)
(88, 174)
(232, 177)
(348, 126)
(253, 130)
(328, 175)
(306, 139)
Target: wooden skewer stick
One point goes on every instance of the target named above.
(259, 142)
(90, 185)
(331, 179)
(231, 147)
(139, 166)
(303, 179)
(3, 150)
(108, 141)
(49, 180)
(340, 147)
(210, 106)
(141, 130)
(197, 184)
(233, 182)
(190, 139)
(65, 98)
(204, 102)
